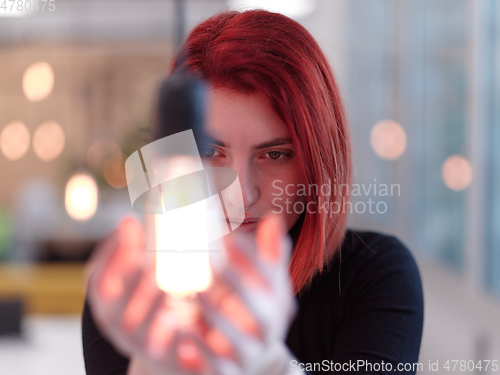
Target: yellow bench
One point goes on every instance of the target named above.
(45, 288)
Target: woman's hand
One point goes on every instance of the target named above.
(130, 309)
(250, 301)
(245, 313)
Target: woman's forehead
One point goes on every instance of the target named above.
(234, 117)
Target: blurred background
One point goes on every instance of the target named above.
(421, 81)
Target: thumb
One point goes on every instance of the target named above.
(270, 239)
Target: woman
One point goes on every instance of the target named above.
(276, 117)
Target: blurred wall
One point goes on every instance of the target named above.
(101, 89)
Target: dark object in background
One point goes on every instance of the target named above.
(11, 314)
(180, 109)
(181, 106)
(65, 251)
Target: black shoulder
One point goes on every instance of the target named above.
(376, 253)
(361, 243)
(382, 299)
(100, 357)
(370, 260)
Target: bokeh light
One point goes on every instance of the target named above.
(48, 141)
(388, 139)
(457, 172)
(38, 81)
(14, 140)
(114, 170)
(81, 197)
(100, 152)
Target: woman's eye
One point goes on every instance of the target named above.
(209, 152)
(278, 156)
(274, 154)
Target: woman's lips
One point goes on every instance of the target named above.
(247, 226)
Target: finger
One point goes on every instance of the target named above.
(218, 343)
(145, 326)
(242, 275)
(225, 299)
(274, 248)
(130, 285)
(269, 236)
(131, 237)
(93, 261)
(244, 346)
(160, 332)
(188, 354)
(258, 273)
(108, 317)
(116, 258)
(209, 361)
(182, 354)
(105, 311)
(272, 307)
(183, 350)
(111, 287)
(270, 311)
(109, 309)
(141, 301)
(241, 256)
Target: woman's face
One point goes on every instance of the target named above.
(247, 136)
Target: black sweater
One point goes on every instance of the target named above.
(362, 315)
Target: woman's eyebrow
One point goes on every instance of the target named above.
(274, 142)
(215, 141)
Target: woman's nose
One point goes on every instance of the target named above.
(249, 186)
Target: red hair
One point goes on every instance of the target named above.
(268, 53)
